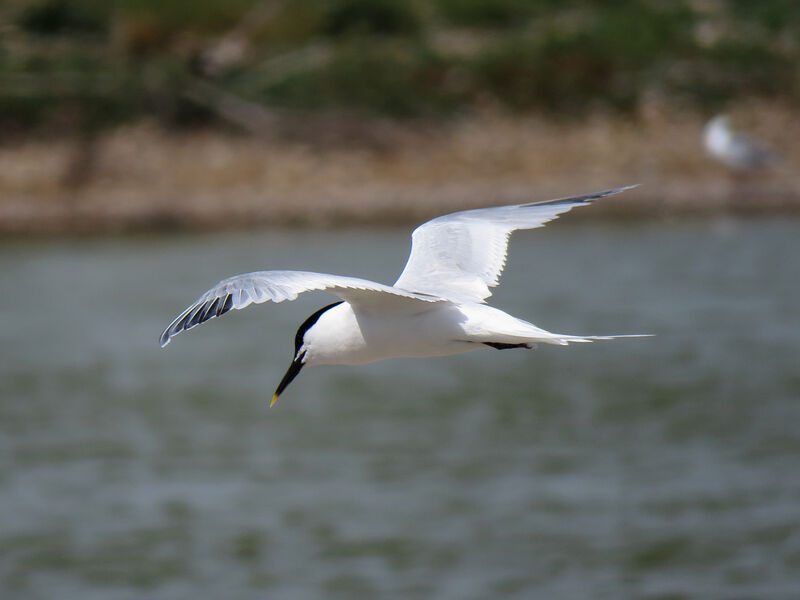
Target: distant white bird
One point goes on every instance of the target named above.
(435, 308)
(733, 149)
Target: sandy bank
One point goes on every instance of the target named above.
(141, 177)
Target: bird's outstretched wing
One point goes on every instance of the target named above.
(461, 255)
(276, 286)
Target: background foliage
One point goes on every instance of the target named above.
(91, 63)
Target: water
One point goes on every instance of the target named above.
(647, 468)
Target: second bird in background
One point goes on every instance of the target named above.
(733, 149)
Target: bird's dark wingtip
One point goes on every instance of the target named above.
(624, 188)
(164, 339)
(198, 313)
(589, 198)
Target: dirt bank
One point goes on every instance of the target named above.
(141, 177)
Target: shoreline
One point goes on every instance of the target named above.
(141, 178)
(638, 205)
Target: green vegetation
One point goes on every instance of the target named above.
(95, 63)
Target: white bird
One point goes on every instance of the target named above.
(733, 149)
(436, 307)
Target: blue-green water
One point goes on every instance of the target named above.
(665, 467)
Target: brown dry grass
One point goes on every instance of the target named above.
(141, 177)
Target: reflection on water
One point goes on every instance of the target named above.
(658, 468)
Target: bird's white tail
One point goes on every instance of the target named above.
(563, 340)
(493, 326)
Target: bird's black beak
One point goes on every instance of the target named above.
(291, 373)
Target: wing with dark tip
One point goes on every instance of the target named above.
(276, 286)
(461, 255)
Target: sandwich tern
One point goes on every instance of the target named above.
(435, 308)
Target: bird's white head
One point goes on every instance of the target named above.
(300, 350)
(719, 126)
(717, 137)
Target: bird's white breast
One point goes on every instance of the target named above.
(344, 336)
(718, 140)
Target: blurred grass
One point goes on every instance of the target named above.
(89, 63)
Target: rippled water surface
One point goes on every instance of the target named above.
(666, 467)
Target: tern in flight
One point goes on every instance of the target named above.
(435, 308)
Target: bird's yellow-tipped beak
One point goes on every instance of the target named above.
(274, 399)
